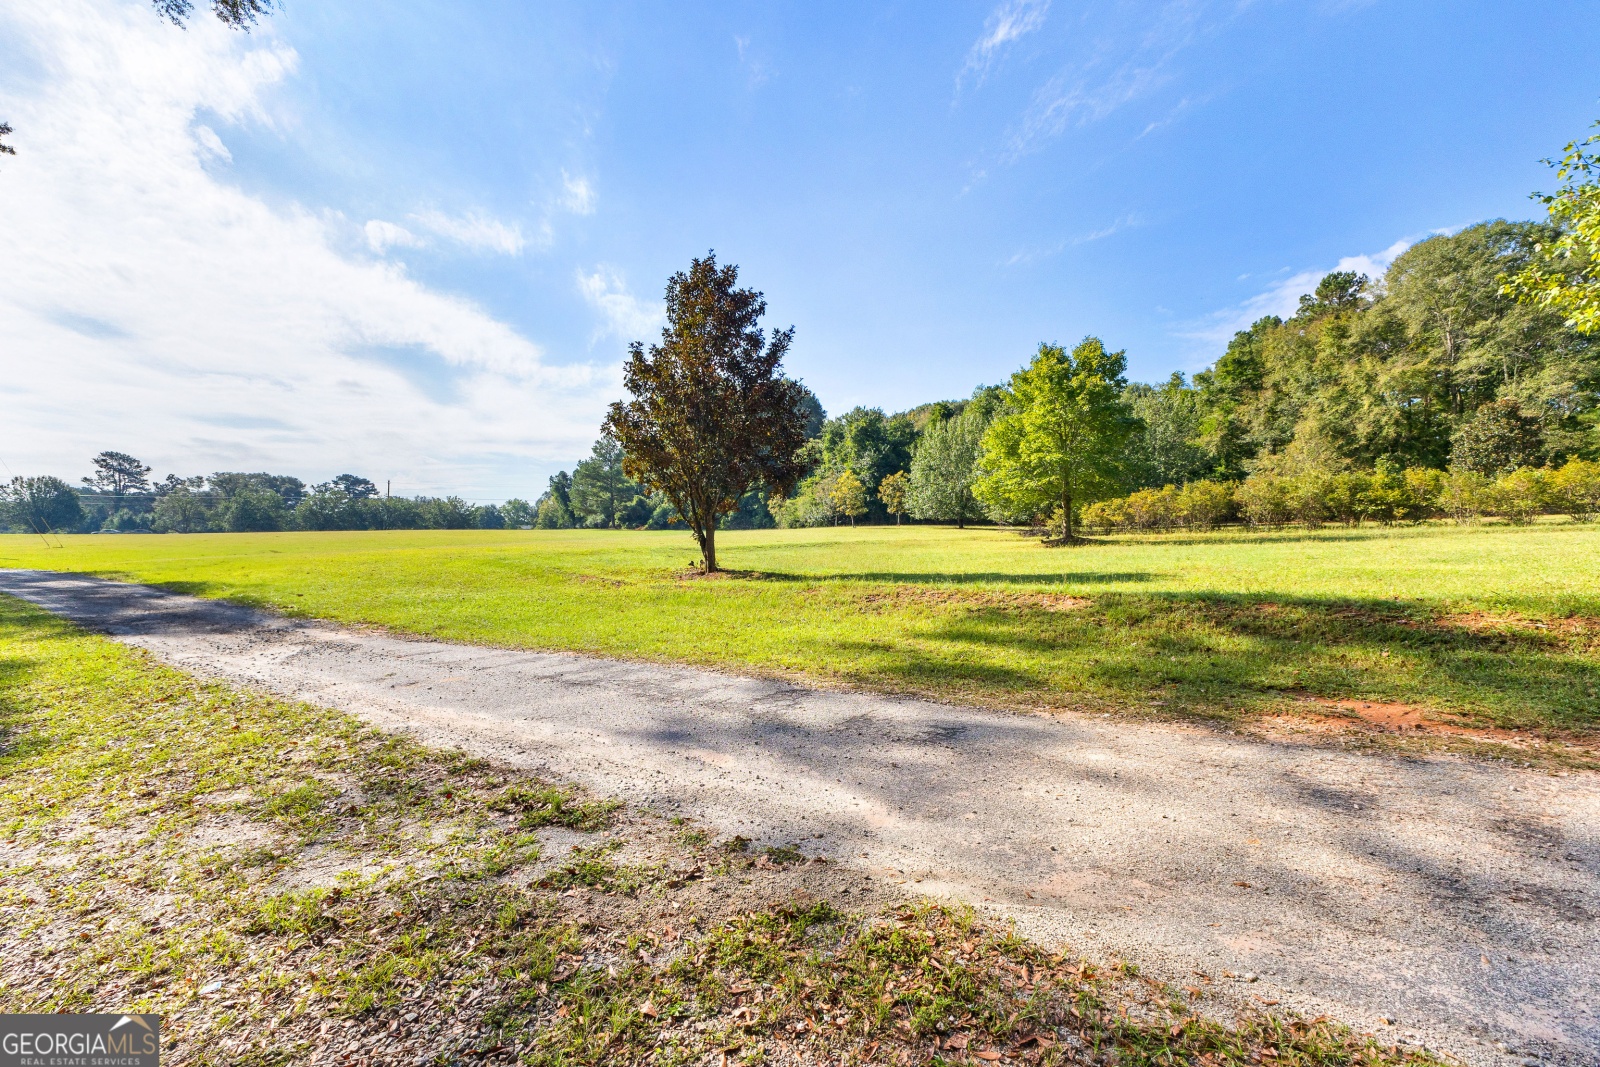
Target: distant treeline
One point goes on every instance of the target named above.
(1431, 367)
(120, 498)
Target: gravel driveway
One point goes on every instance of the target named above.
(1456, 900)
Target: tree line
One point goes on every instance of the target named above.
(120, 497)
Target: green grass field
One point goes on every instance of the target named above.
(1494, 625)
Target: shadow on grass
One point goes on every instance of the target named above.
(944, 578)
(1221, 654)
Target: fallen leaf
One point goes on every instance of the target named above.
(987, 1054)
(648, 1009)
(1242, 885)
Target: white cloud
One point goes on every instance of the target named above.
(1283, 297)
(1126, 56)
(151, 308)
(577, 195)
(625, 315)
(212, 143)
(477, 232)
(382, 236)
(1009, 22)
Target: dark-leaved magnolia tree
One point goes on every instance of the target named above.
(712, 415)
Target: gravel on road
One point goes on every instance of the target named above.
(1437, 901)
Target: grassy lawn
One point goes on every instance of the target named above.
(1486, 626)
(283, 885)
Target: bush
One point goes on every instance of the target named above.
(1463, 495)
(1575, 489)
(1264, 500)
(1205, 504)
(1519, 495)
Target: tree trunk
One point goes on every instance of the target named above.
(708, 550)
(1066, 514)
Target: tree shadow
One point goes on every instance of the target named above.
(939, 578)
(1212, 652)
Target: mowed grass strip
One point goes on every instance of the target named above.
(285, 886)
(1489, 626)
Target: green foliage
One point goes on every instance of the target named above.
(517, 513)
(600, 490)
(711, 415)
(1168, 451)
(1199, 505)
(894, 493)
(248, 509)
(40, 505)
(849, 496)
(1497, 438)
(1566, 277)
(553, 514)
(1575, 489)
(946, 466)
(1063, 436)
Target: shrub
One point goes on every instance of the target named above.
(1575, 489)
(1204, 504)
(1519, 495)
(1464, 495)
(1264, 500)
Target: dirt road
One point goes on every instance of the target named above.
(1457, 900)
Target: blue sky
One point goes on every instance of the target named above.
(415, 246)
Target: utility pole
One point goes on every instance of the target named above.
(386, 484)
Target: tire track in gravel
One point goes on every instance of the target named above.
(1459, 900)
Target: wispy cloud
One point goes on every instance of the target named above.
(477, 232)
(1007, 23)
(382, 236)
(577, 195)
(144, 299)
(625, 315)
(1126, 55)
(1034, 255)
(1282, 298)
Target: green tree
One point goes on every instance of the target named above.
(1566, 279)
(849, 496)
(184, 511)
(1165, 453)
(552, 514)
(712, 415)
(40, 505)
(252, 509)
(600, 488)
(1062, 441)
(1498, 438)
(945, 467)
(894, 493)
(117, 474)
(517, 513)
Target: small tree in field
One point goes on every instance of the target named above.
(894, 492)
(712, 415)
(849, 496)
(1060, 443)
